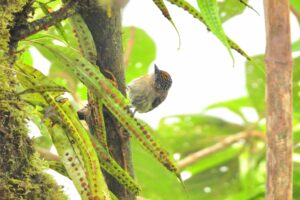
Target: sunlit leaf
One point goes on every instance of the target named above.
(295, 5)
(195, 13)
(255, 84)
(234, 106)
(140, 51)
(111, 97)
(230, 8)
(216, 182)
(296, 46)
(44, 141)
(149, 173)
(164, 10)
(210, 12)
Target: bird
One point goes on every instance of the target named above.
(149, 91)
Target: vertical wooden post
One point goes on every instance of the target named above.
(279, 100)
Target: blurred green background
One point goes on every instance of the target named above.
(232, 165)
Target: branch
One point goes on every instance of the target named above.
(20, 32)
(47, 155)
(196, 156)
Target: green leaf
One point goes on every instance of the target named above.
(188, 133)
(111, 97)
(71, 158)
(255, 83)
(140, 51)
(210, 12)
(215, 159)
(234, 106)
(195, 13)
(68, 119)
(296, 84)
(26, 57)
(156, 182)
(163, 8)
(296, 180)
(44, 141)
(214, 183)
(85, 42)
(230, 8)
(113, 168)
(296, 46)
(59, 28)
(296, 5)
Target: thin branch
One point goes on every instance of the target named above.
(47, 155)
(196, 156)
(20, 32)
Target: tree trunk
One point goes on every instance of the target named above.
(107, 34)
(279, 100)
(21, 175)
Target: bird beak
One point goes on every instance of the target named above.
(156, 70)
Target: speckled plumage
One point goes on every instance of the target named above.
(149, 91)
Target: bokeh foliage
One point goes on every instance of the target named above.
(237, 171)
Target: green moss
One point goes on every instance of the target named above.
(21, 171)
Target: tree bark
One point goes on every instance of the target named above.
(21, 174)
(107, 34)
(279, 100)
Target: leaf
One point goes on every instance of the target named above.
(149, 173)
(230, 8)
(215, 183)
(296, 5)
(111, 98)
(44, 140)
(296, 46)
(296, 180)
(140, 51)
(210, 12)
(296, 84)
(234, 106)
(162, 7)
(26, 57)
(70, 157)
(84, 38)
(59, 28)
(255, 84)
(112, 167)
(214, 160)
(184, 134)
(195, 13)
(70, 122)
(43, 88)
(78, 133)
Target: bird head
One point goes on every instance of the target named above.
(163, 80)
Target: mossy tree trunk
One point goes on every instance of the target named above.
(21, 175)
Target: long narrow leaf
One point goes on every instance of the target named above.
(196, 14)
(112, 98)
(210, 13)
(163, 8)
(96, 183)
